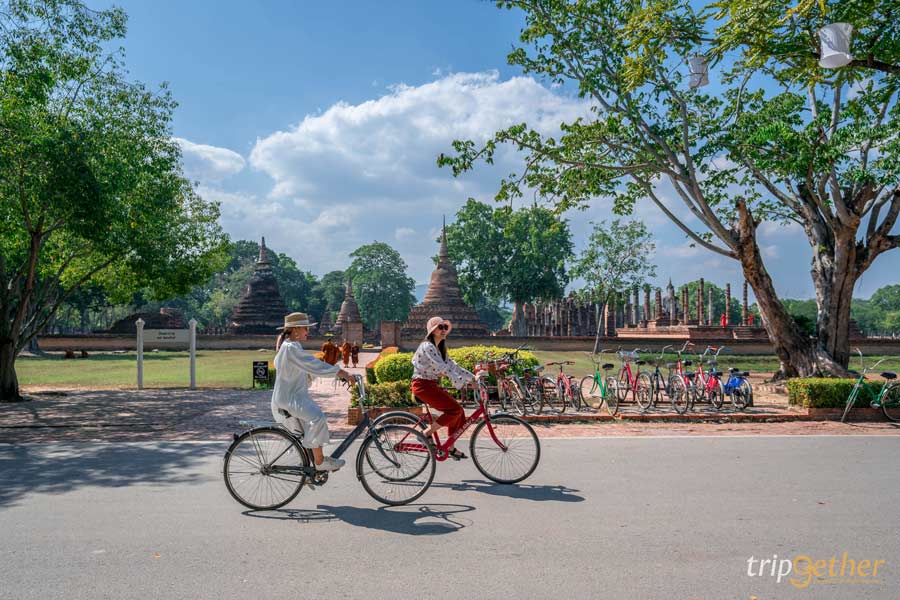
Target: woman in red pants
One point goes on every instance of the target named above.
(430, 363)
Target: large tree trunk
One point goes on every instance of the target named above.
(834, 274)
(518, 327)
(799, 355)
(9, 383)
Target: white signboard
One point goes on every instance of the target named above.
(171, 336)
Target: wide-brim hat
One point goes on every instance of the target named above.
(297, 319)
(433, 322)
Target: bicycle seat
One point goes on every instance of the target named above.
(712, 362)
(284, 413)
(745, 373)
(690, 375)
(715, 373)
(687, 363)
(889, 375)
(670, 365)
(640, 362)
(608, 366)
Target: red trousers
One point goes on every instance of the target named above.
(436, 397)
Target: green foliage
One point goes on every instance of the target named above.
(381, 286)
(91, 187)
(394, 367)
(616, 259)
(394, 393)
(819, 392)
(513, 255)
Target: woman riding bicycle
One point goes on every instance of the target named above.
(430, 362)
(294, 369)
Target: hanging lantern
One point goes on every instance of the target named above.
(835, 39)
(699, 69)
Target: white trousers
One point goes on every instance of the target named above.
(312, 421)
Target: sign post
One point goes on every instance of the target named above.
(260, 372)
(193, 325)
(140, 353)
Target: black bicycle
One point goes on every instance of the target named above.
(266, 466)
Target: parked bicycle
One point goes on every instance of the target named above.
(568, 391)
(681, 382)
(708, 385)
(888, 397)
(266, 466)
(636, 382)
(659, 384)
(738, 388)
(504, 448)
(596, 387)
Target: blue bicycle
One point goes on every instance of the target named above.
(739, 389)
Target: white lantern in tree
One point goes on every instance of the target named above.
(699, 69)
(835, 39)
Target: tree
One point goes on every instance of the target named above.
(616, 259)
(329, 293)
(505, 254)
(381, 286)
(784, 140)
(91, 188)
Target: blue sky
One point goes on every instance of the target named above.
(317, 125)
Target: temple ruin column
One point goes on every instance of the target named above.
(727, 304)
(646, 305)
(657, 313)
(700, 294)
(744, 312)
(685, 314)
(709, 308)
(635, 306)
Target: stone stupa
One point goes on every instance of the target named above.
(261, 309)
(349, 312)
(444, 299)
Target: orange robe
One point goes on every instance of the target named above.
(345, 352)
(330, 352)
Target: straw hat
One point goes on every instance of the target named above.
(433, 322)
(297, 319)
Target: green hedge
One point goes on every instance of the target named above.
(395, 393)
(398, 367)
(819, 392)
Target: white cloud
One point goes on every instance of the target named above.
(209, 164)
(376, 160)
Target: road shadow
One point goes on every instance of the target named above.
(521, 491)
(57, 469)
(412, 519)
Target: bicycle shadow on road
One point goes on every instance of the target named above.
(522, 491)
(412, 519)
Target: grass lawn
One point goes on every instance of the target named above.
(215, 368)
(232, 368)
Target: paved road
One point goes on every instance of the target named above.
(601, 518)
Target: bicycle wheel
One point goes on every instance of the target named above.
(518, 456)
(612, 395)
(263, 468)
(400, 417)
(517, 396)
(680, 394)
(890, 402)
(591, 393)
(395, 464)
(573, 394)
(551, 396)
(643, 388)
(740, 395)
(716, 394)
(532, 394)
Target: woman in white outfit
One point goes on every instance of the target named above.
(294, 370)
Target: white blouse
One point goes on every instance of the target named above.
(428, 364)
(295, 369)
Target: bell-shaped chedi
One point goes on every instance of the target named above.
(261, 309)
(349, 309)
(166, 318)
(443, 299)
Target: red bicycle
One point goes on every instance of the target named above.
(708, 386)
(504, 448)
(681, 384)
(638, 383)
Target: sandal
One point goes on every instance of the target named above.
(456, 454)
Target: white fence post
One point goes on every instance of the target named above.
(193, 325)
(140, 353)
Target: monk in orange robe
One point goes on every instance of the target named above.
(330, 352)
(345, 353)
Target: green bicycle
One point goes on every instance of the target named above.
(601, 387)
(888, 398)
